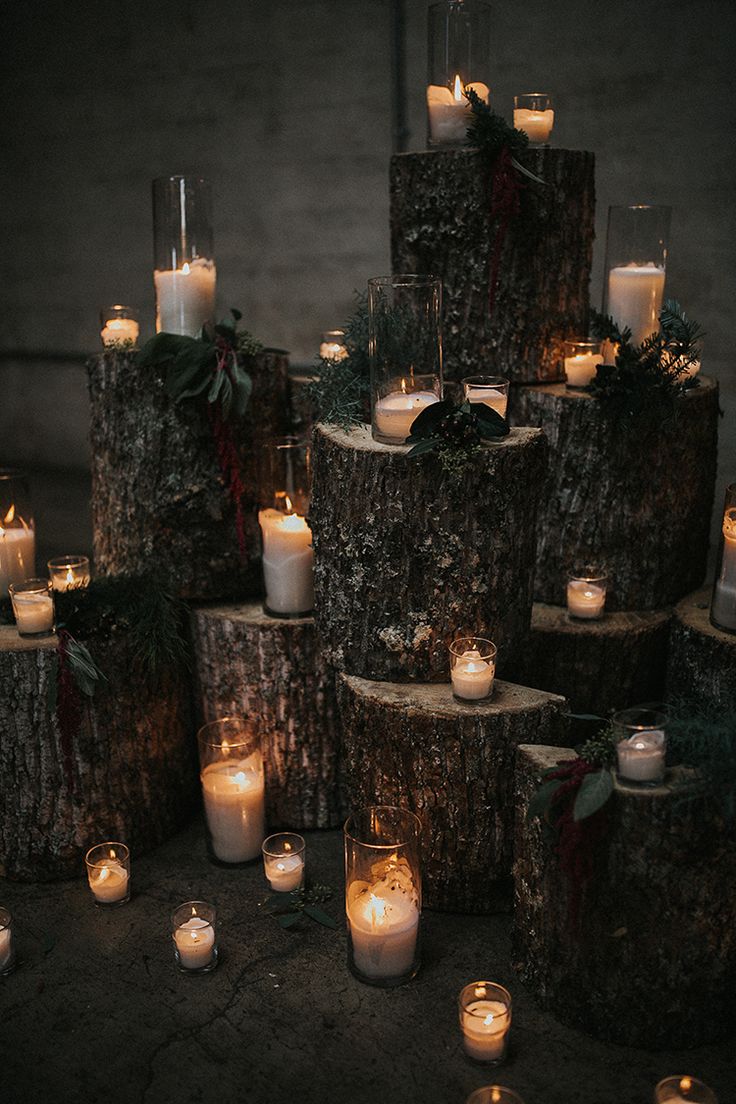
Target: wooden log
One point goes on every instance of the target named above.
(271, 670)
(599, 666)
(651, 962)
(441, 224)
(702, 658)
(134, 775)
(638, 508)
(452, 764)
(407, 557)
(157, 491)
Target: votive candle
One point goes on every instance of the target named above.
(108, 873)
(283, 861)
(485, 1020)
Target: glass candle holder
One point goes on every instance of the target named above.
(119, 326)
(69, 572)
(184, 267)
(491, 390)
(582, 357)
(634, 270)
(33, 607)
(383, 894)
(7, 947)
(284, 861)
(288, 555)
(494, 1094)
(108, 874)
(723, 602)
(17, 530)
(233, 790)
(534, 114)
(405, 346)
(459, 45)
(683, 1090)
(332, 345)
(485, 1019)
(472, 668)
(586, 595)
(194, 934)
(641, 745)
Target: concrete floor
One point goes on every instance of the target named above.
(97, 1011)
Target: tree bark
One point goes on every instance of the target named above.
(651, 961)
(637, 508)
(133, 774)
(407, 557)
(452, 764)
(441, 224)
(702, 659)
(157, 491)
(271, 671)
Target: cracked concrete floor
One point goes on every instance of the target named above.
(96, 1010)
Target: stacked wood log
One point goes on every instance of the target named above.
(702, 658)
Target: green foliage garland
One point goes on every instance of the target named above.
(455, 433)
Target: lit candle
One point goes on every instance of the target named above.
(485, 1019)
(120, 331)
(288, 561)
(449, 111)
(580, 369)
(641, 757)
(536, 124)
(234, 806)
(472, 676)
(492, 391)
(332, 345)
(195, 942)
(17, 550)
(69, 572)
(185, 297)
(33, 606)
(108, 873)
(283, 861)
(394, 413)
(635, 298)
(585, 599)
(683, 1090)
(383, 919)
(723, 606)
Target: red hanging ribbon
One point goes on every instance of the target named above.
(576, 839)
(228, 457)
(506, 189)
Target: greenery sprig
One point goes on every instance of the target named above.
(290, 908)
(455, 433)
(340, 391)
(490, 134)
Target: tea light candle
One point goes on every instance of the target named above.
(485, 1019)
(288, 562)
(69, 572)
(492, 391)
(33, 607)
(394, 413)
(472, 676)
(536, 124)
(195, 942)
(641, 757)
(384, 922)
(585, 599)
(635, 298)
(332, 346)
(185, 297)
(449, 111)
(108, 874)
(581, 368)
(234, 806)
(119, 331)
(17, 550)
(283, 861)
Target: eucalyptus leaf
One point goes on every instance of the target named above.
(422, 446)
(426, 422)
(242, 391)
(288, 919)
(320, 916)
(593, 794)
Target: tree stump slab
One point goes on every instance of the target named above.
(702, 658)
(452, 764)
(271, 671)
(408, 558)
(650, 962)
(133, 775)
(157, 490)
(637, 508)
(441, 224)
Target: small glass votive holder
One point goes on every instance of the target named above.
(33, 606)
(485, 1020)
(534, 114)
(641, 745)
(69, 572)
(683, 1090)
(494, 1094)
(7, 946)
(586, 595)
(491, 390)
(332, 345)
(472, 668)
(194, 934)
(284, 860)
(119, 326)
(108, 874)
(582, 357)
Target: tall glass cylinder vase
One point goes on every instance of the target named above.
(17, 531)
(634, 273)
(288, 556)
(458, 53)
(383, 894)
(233, 789)
(184, 266)
(405, 346)
(723, 604)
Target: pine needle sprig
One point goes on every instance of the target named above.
(340, 391)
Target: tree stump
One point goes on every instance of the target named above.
(599, 666)
(408, 558)
(651, 962)
(702, 658)
(271, 671)
(441, 224)
(636, 508)
(133, 774)
(452, 764)
(157, 491)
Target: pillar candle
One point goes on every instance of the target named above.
(288, 562)
(108, 881)
(195, 942)
(234, 807)
(641, 756)
(723, 607)
(485, 1025)
(185, 297)
(449, 111)
(284, 872)
(395, 412)
(117, 331)
(635, 298)
(581, 368)
(585, 600)
(17, 553)
(472, 676)
(384, 923)
(536, 124)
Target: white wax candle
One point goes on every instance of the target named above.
(449, 111)
(117, 331)
(108, 881)
(17, 555)
(234, 807)
(395, 412)
(490, 397)
(195, 942)
(185, 297)
(384, 922)
(472, 676)
(34, 612)
(288, 562)
(585, 600)
(6, 947)
(331, 350)
(536, 124)
(723, 608)
(581, 368)
(485, 1026)
(641, 757)
(635, 298)
(284, 872)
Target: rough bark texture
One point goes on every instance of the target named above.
(601, 665)
(134, 776)
(653, 959)
(441, 224)
(271, 671)
(157, 491)
(702, 658)
(637, 507)
(452, 763)
(407, 557)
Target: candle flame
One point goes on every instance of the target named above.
(10, 515)
(480, 990)
(185, 269)
(112, 853)
(686, 1084)
(287, 845)
(376, 909)
(403, 385)
(457, 90)
(70, 576)
(194, 910)
(495, 1095)
(289, 505)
